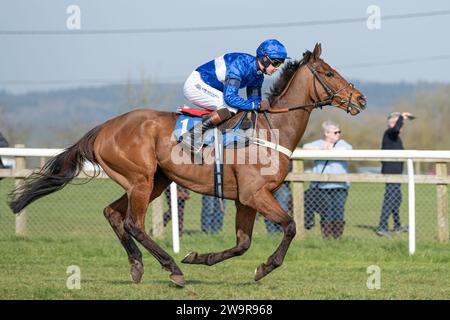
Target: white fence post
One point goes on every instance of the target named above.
(442, 203)
(298, 201)
(174, 212)
(411, 208)
(21, 217)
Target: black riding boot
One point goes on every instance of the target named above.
(193, 139)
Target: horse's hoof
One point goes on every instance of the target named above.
(178, 280)
(190, 257)
(260, 272)
(137, 270)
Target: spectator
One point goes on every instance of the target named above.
(182, 195)
(212, 214)
(3, 144)
(284, 197)
(392, 195)
(328, 198)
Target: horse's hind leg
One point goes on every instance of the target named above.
(139, 196)
(264, 202)
(245, 219)
(115, 214)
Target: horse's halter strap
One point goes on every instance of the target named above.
(321, 103)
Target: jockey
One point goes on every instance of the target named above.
(215, 85)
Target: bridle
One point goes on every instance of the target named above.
(327, 102)
(317, 104)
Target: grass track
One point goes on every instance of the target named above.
(35, 268)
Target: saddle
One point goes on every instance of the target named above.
(234, 130)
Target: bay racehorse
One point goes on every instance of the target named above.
(136, 151)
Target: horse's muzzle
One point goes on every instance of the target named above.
(362, 101)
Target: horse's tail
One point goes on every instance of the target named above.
(56, 173)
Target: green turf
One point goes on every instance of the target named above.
(68, 228)
(35, 268)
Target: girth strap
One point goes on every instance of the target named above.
(218, 164)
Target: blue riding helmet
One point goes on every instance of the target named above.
(273, 49)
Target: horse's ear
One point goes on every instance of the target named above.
(317, 51)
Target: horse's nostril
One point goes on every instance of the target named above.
(362, 100)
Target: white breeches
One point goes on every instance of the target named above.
(203, 95)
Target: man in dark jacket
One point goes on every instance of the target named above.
(392, 195)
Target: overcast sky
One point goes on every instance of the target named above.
(42, 62)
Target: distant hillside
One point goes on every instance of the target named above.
(383, 95)
(57, 118)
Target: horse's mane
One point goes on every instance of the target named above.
(286, 75)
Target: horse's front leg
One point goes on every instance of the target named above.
(264, 202)
(245, 219)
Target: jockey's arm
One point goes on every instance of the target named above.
(254, 94)
(232, 98)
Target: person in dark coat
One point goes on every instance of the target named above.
(392, 195)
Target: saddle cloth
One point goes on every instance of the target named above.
(189, 117)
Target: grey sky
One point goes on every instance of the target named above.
(172, 56)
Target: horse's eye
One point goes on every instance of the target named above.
(329, 74)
